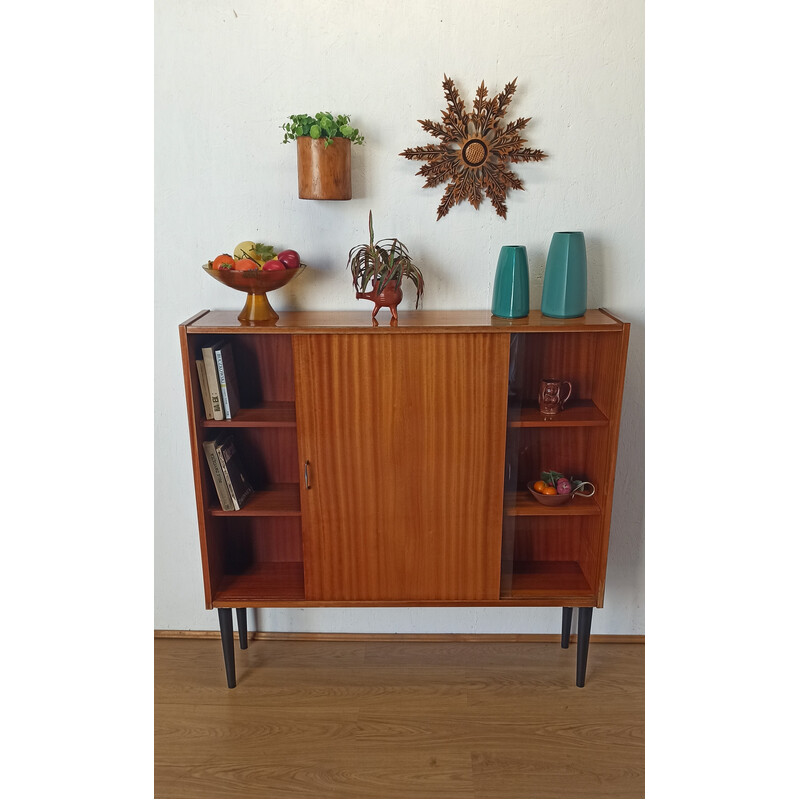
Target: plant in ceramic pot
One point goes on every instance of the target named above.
(323, 154)
(384, 264)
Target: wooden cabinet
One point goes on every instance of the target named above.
(390, 462)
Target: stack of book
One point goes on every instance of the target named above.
(218, 385)
(230, 480)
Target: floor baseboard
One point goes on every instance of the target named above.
(404, 637)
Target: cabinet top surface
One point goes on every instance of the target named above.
(408, 322)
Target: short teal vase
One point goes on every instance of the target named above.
(511, 297)
(564, 289)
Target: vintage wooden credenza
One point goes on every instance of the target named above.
(390, 462)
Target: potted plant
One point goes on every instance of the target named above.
(323, 154)
(383, 263)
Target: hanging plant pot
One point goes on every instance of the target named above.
(323, 173)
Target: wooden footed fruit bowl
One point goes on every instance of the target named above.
(582, 489)
(256, 282)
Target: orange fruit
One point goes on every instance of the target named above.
(223, 262)
(539, 486)
(549, 490)
(242, 264)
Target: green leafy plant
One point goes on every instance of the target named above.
(385, 260)
(550, 477)
(323, 125)
(265, 252)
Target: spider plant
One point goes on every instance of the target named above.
(383, 261)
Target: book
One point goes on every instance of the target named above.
(201, 374)
(235, 477)
(228, 383)
(213, 380)
(221, 485)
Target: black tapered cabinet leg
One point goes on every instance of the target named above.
(584, 629)
(566, 626)
(226, 629)
(241, 624)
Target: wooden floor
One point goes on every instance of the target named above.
(318, 719)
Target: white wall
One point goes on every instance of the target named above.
(229, 74)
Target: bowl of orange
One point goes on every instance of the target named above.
(256, 283)
(548, 495)
(556, 491)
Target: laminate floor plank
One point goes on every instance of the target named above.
(325, 719)
(591, 772)
(474, 732)
(321, 775)
(307, 676)
(246, 730)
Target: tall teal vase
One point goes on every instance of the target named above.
(511, 297)
(564, 289)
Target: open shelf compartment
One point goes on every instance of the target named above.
(255, 557)
(547, 578)
(272, 414)
(550, 556)
(278, 500)
(581, 413)
(262, 581)
(522, 504)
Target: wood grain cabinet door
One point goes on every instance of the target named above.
(401, 442)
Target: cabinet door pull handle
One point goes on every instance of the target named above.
(308, 485)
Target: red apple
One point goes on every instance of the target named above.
(290, 259)
(243, 264)
(271, 266)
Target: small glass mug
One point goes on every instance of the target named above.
(553, 394)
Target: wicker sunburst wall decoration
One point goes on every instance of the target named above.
(474, 149)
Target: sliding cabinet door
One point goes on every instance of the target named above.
(401, 446)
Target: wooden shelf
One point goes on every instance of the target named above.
(269, 415)
(280, 500)
(275, 580)
(583, 413)
(545, 578)
(522, 504)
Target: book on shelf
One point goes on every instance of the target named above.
(201, 375)
(212, 379)
(228, 383)
(221, 485)
(235, 476)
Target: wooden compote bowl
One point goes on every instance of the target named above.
(256, 283)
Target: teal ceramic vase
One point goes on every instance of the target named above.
(511, 297)
(564, 289)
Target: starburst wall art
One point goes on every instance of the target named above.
(474, 150)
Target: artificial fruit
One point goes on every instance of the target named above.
(224, 261)
(289, 258)
(244, 264)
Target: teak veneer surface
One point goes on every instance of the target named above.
(408, 322)
(405, 444)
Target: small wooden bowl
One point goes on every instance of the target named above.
(549, 499)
